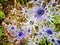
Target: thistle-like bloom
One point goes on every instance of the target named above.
(12, 27)
(58, 41)
(39, 12)
(40, 34)
(52, 39)
(27, 32)
(49, 31)
(20, 35)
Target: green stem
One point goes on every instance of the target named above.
(22, 2)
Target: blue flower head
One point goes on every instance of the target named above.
(40, 34)
(49, 32)
(58, 41)
(52, 40)
(29, 30)
(20, 34)
(39, 11)
(12, 28)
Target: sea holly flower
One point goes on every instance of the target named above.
(12, 28)
(40, 12)
(34, 27)
(52, 39)
(54, 4)
(49, 31)
(58, 41)
(27, 31)
(40, 34)
(20, 35)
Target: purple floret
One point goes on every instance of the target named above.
(39, 12)
(58, 41)
(49, 32)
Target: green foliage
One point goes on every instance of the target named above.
(45, 42)
(1, 32)
(57, 19)
(5, 43)
(56, 22)
(4, 3)
(57, 25)
(1, 29)
(37, 28)
(1, 15)
(21, 19)
(4, 0)
(24, 1)
(1, 36)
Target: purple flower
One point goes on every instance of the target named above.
(40, 11)
(52, 40)
(12, 28)
(20, 35)
(40, 34)
(58, 41)
(27, 32)
(49, 32)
